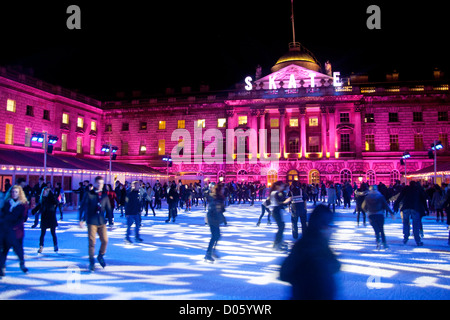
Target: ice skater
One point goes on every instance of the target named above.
(214, 218)
(49, 204)
(277, 203)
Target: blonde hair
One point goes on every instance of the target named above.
(22, 198)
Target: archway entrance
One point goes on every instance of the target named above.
(314, 176)
(272, 176)
(292, 176)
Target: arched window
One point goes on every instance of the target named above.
(370, 177)
(314, 176)
(292, 175)
(395, 175)
(346, 175)
(272, 176)
(221, 176)
(242, 175)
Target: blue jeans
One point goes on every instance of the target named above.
(409, 214)
(136, 218)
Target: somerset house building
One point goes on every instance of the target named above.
(329, 127)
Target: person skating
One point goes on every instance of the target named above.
(92, 210)
(49, 204)
(360, 195)
(311, 265)
(12, 218)
(413, 205)
(265, 207)
(172, 201)
(277, 203)
(133, 211)
(214, 218)
(375, 205)
(298, 208)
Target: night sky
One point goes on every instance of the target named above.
(150, 45)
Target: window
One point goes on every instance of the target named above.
(314, 176)
(93, 125)
(11, 105)
(370, 177)
(9, 134)
(92, 147)
(418, 142)
(142, 149)
(108, 128)
(221, 122)
(181, 124)
(393, 117)
(417, 116)
(395, 176)
(314, 144)
(274, 123)
(293, 145)
(65, 118)
(292, 175)
(124, 148)
(161, 147)
(30, 111)
(201, 123)
(293, 122)
(345, 142)
(346, 175)
(46, 115)
(162, 125)
(80, 122)
(242, 120)
(444, 140)
(64, 142)
(370, 142)
(393, 142)
(125, 126)
(272, 177)
(369, 118)
(143, 126)
(443, 116)
(27, 137)
(79, 145)
(313, 122)
(345, 117)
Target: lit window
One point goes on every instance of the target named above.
(314, 143)
(221, 122)
(142, 150)
(161, 147)
(27, 137)
(11, 105)
(80, 122)
(201, 123)
(242, 120)
(79, 145)
(313, 122)
(293, 122)
(274, 123)
(9, 134)
(92, 147)
(162, 125)
(65, 118)
(93, 126)
(64, 142)
(181, 124)
(370, 142)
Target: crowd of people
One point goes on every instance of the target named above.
(97, 202)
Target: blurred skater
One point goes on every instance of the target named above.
(214, 218)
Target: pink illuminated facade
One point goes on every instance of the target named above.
(330, 128)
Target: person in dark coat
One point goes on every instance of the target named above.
(172, 201)
(360, 195)
(48, 218)
(133, 211)
(214, 218)
(277, 202)
(92, 210)
(12, 218)
(298, 208)
(311, 265)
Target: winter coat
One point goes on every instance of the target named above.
(48, 211)
(359, 198)
(437, 202)
(331, 195)
(172, 196)
(132, 203)
(375, 203)
(12, 222)
(412, 197)
(310, 269)
(216, 208)
(91, 211)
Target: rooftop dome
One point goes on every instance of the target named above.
(297, 55)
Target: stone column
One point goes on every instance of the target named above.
(230, 136)
(323, 111)
(262, 125)
(332, 131)
(282, 130)
(302, 111)
(358, 132)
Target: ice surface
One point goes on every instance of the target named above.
(169, 263)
